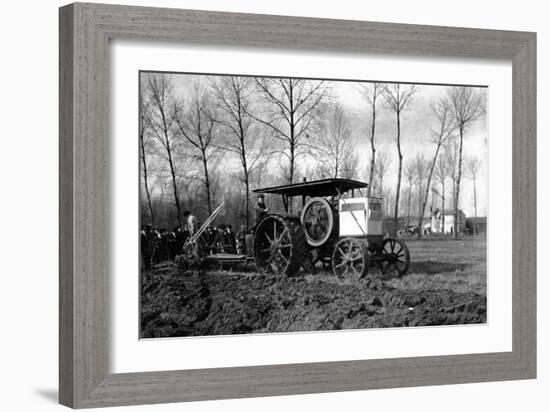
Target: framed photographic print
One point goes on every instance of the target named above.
(257, 205)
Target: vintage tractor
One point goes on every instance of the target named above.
(334, 227)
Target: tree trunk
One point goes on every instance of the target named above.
(207, 183)
(409, 206)
(174, 185)
(427, 192)
(245, 169)
(373, 150)
(443, 207)
(292, 142)
(420, 214)
(454, 202)
(146, 183)
(291, 171)
(475, 207)
(396, 208)
(457, 193)
(247, 199)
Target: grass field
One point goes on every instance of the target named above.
(458, 265)
(446, 284)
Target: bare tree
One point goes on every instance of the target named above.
(398, 97)
(421, 171)
(158, 90)
(410, 176)
(473, 165)
(333, 148)
(467, 106)
(381, 167)
(290, 113)
(371, 92)
(451, 157)
(441, 173)
(196, 127)
(144, 144)
(442, 130)
(234, 100)
(349, 167)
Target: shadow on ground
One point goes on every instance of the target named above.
(51, 395)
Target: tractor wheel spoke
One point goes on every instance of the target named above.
(283, 234)
(283, 258)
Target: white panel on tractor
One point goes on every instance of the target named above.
(353, 216)
(360, 216)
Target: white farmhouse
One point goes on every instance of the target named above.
(437, 221)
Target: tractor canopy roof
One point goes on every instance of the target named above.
(323, 187)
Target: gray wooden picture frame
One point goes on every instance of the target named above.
(85, 31)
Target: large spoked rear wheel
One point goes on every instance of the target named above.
(350, 259)
(279, 245)
(395, 257)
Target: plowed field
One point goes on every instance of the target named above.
(446, 285)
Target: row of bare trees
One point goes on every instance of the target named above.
(417, 172)
(452, 115)
(189, 130)
(252, 119)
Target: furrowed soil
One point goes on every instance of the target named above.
(446, 285)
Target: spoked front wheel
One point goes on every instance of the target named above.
(350, 259)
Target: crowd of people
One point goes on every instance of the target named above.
(159, 244)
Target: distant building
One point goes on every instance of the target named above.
(426, 226)
(388, 225)
(407, 226)
(437, 221)
(477, 225)
(434, 224)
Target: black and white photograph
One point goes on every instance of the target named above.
(278, 204)
(240, 206)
